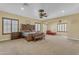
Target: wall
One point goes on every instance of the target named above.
(52, 24)
(43, 26)
(72, 25)
(22, 20)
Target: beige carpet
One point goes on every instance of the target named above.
(52, 45)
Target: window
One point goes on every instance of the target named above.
(6, 26)
(37, 27)
(14, 26)
(9, 25)
(62, 27)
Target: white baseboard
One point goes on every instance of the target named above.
(4, 39)
(72, 38)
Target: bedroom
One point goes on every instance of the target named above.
(55, 25)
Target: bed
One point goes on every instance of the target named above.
(33, 36)
(28, 32)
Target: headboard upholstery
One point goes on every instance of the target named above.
(27, 27)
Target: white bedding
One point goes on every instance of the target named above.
(26, 33)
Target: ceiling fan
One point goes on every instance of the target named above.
(42, 13)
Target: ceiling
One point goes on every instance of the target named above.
(31, 9)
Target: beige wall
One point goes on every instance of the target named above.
(72, 25)
(52, 24)
(22, 20)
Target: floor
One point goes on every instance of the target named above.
(52, 45)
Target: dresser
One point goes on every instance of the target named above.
(15, 35)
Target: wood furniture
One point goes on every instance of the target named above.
(29, 37)
(38, 36)
(35, 37)
(15, 35)
(26, 27)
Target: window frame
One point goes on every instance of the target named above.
(11, 25)
(64, 27)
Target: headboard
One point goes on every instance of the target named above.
(27, 27)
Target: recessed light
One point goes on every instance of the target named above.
(62, 11)
(22, 8)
